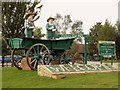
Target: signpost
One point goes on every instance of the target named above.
(85, 48)
(106, 49)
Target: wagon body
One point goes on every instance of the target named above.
(26, 43)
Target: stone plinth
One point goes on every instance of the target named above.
(61, 71)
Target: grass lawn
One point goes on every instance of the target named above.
(13, 78)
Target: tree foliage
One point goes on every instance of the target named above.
(107, 32)
(93, 39)
(98, 32)
(77, 27)
(37, 33)
(63, 23)
(118, 40)
(75, 47)
(66, 25)
(13, 17)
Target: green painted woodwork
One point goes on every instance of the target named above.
(106, 48)
(15, 43)
(61, 44)
(85, 49)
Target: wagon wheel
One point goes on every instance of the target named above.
(67, 58)
(46, 57)
(37, 54)
(17, 58)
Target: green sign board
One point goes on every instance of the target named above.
(106, 48)
(69, 35)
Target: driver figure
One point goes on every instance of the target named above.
(51, 28)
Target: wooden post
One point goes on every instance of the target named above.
(101, 59)
(2, 60)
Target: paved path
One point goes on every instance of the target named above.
(88, 62)
(6, 64)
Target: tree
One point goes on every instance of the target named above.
(12, 17)
(77, 29)
(118, 40)
(37, 33)
(93, 39)
(66, 23)
(98, 32)
(75, 47)
(107, 32)
(58, 22)
(63, 23)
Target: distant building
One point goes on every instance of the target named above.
(81, 49)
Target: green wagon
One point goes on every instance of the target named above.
(39, 51)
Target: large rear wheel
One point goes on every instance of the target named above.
(37, 54)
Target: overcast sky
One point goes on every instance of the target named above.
(88, 11)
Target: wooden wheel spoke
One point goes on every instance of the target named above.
(40, 61)
(66, 57)
(34, 51)
(32, 61)
(18, 61)
(35, 64)
(41, 50)
(38, 48)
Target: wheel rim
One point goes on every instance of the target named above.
(45, 58)
(17, 56)
(36, 55)
(67, 58)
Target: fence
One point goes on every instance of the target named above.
(5, 61)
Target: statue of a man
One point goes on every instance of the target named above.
(29, 25)
(51, 28)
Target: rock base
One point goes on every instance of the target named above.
(25, 65)
(42, 71)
